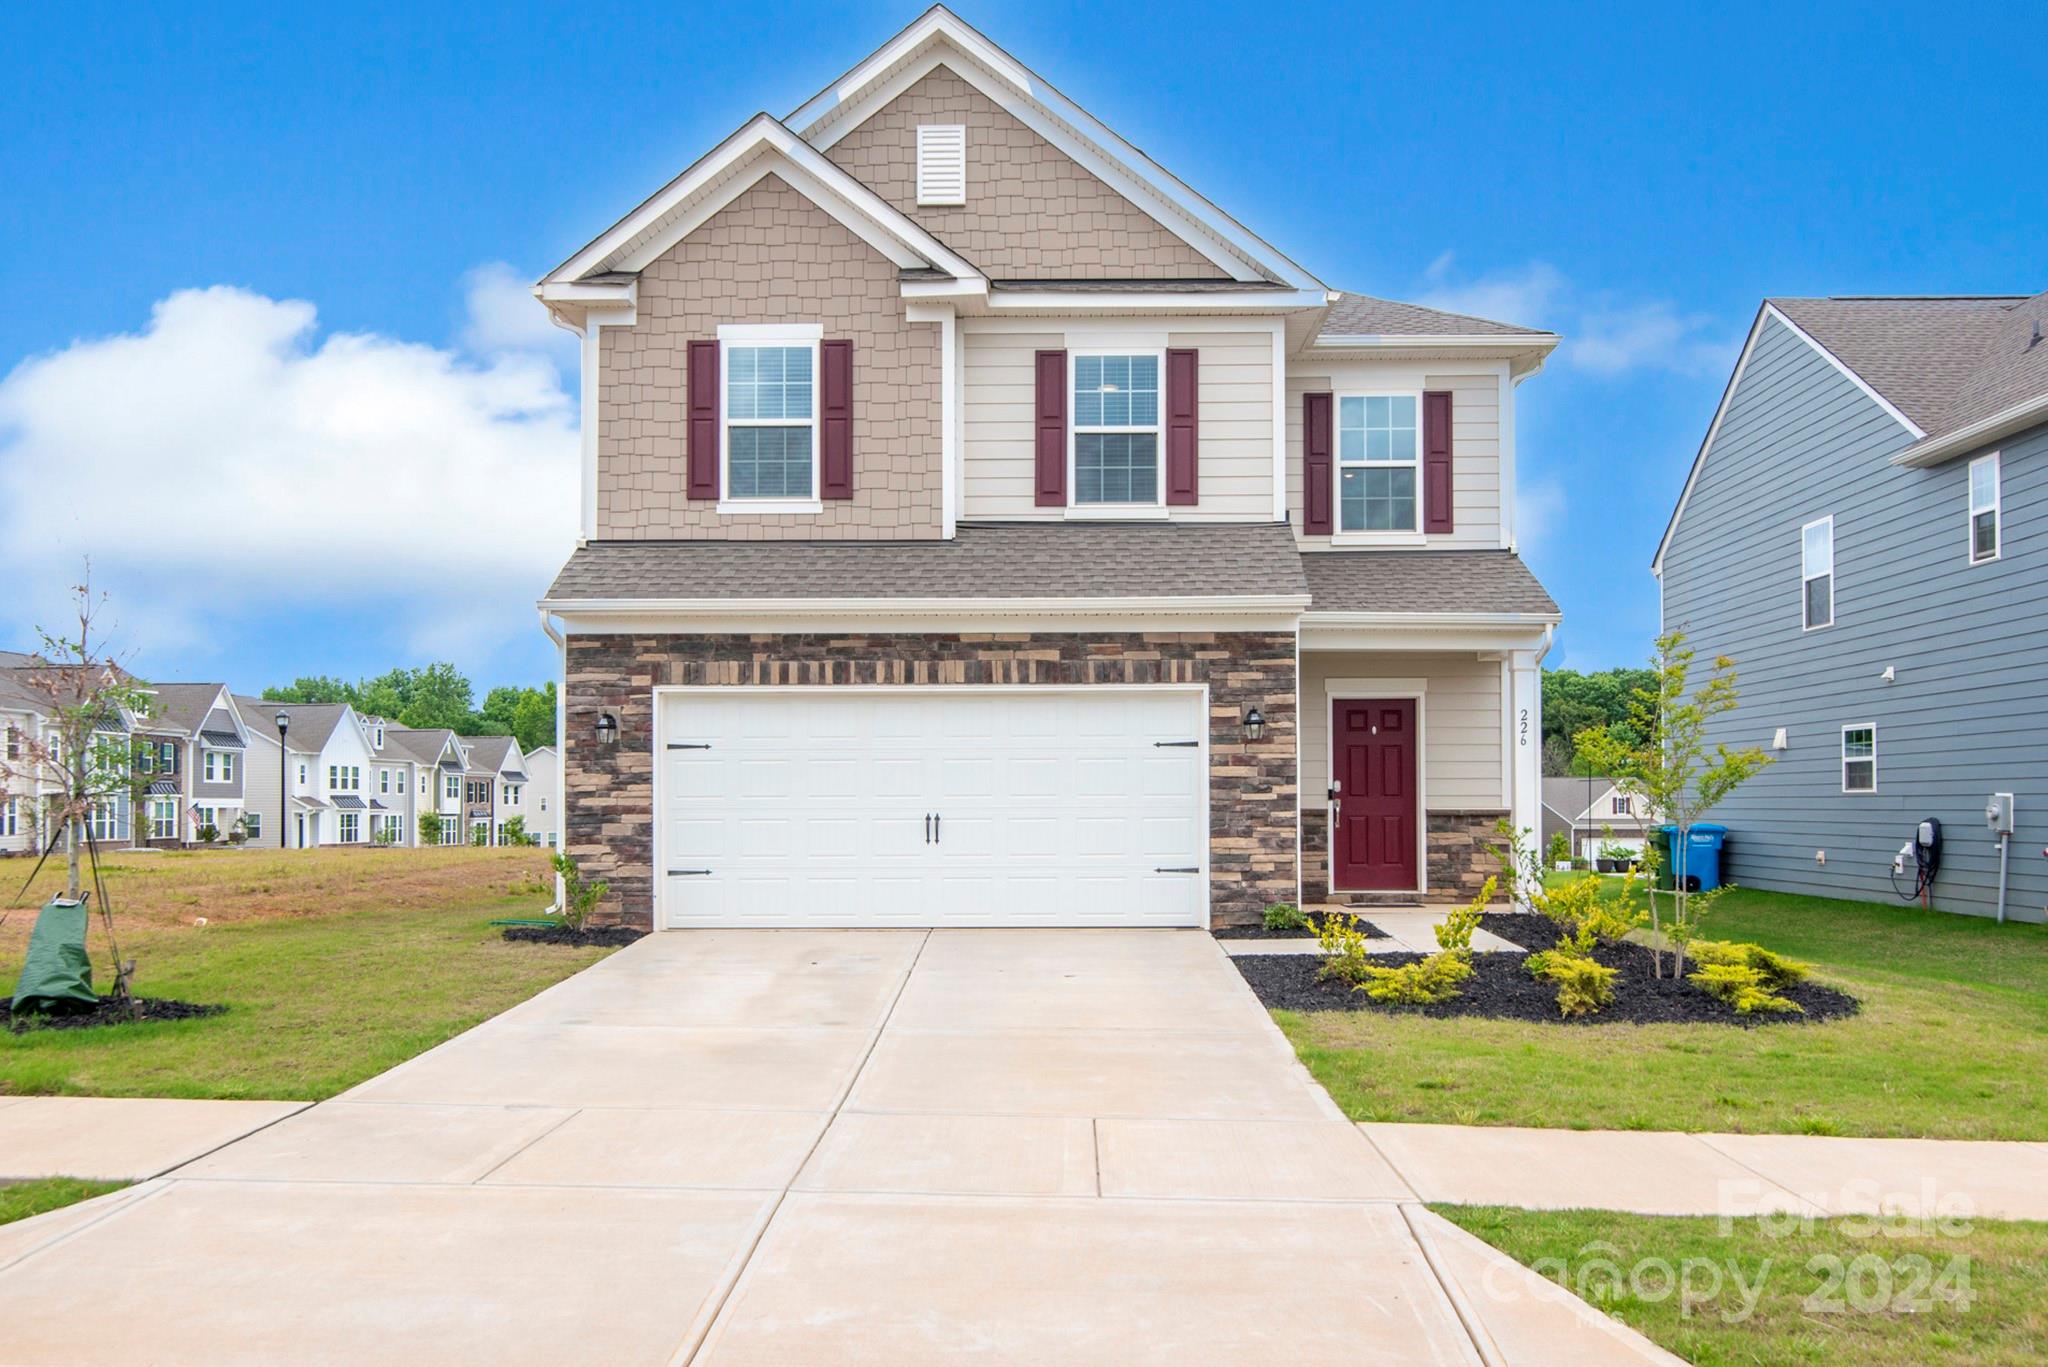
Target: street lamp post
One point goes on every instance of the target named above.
(284, 760)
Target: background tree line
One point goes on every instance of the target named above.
(436, 695)
(1572, 702)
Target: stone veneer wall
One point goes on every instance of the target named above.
(608, 821)
(770, 256)
(1032, 212)
(1459, 849)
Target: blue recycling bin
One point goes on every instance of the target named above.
(1694, 865)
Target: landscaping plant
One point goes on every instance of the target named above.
(1583, 985)
(1343, 947)
(1286, 916)
(579, 898)
(1661, 757)
(1438, 977)
(1746, 976)
(430, 828)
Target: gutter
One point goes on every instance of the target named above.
(561, 751)
(1935, 450)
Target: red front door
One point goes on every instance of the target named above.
(1373, 811)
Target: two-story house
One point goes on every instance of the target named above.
(1592, 814)
(330, 776)
(23, 717)
(195, 745)
(438, 777)
(981, 527)
(1862, 532)
(543, 814)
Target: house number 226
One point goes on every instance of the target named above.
(1525, 727)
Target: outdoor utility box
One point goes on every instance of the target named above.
(1697, 861)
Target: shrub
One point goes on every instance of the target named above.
(1343, 947)
(1774, 971)
(430, 828)
(1286, 916)
(1742, 987)
(1455, 930)
(208, 833)
(579, 899)
(1560, 850)
(1583, 986)
(513, 832)
(1434, 979)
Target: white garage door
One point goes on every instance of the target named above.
(931, 807)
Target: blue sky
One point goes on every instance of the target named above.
(266, 262)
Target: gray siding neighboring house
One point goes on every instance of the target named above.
(261, 796)
(1872, 413)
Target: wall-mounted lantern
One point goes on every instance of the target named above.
(607, 729)
(1254, 726)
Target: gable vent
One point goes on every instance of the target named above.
(942, 163)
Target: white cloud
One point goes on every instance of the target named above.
(1604, 334)
(504, 316)
(1653, 336)
(1524, 297)
(227, 459)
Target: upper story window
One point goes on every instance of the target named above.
(452, 789)
(1817, 572)
(942, 163)
(1379, 453)
(345, 778)
(771, 431)
(218, 766)
(1116, 429)
(1984, 483)
(1624, 806)
(302, 775)
(1859, 759)
(383, 780)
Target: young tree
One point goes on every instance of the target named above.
(1660, 756)
(430, 828)
(81, 763)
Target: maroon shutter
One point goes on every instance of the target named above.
(1051, 427)
(1183, 386)
(1436, 461)
(835, 420)
(702, 441)
(1316, 449)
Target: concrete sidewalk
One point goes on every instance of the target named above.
(105, 1139)
(793, 1146)
(1662, 1173)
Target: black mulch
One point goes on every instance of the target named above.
(112, 1011)
(1501, 987)
(1365, 928)
(609, 936)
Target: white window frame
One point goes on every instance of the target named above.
(348, 828)
(1399, 536)
(163, 818)
(745, 335)
(1996, 508)
(451, 787)
(1075, 431)
(1834, 579)
(383, 780)
(1870, 759)
(1623, 805)
(252, 826)
(9, 825)
(302, 775)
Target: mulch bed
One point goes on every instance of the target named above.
(1365, 928)
(1501, 988)
(112, 1012)
(611, 937)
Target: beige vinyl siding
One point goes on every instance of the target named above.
(1476, 495)
(1235, 423)
(1463, 723)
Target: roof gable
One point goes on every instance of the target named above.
(1031, 211)
(940, 37)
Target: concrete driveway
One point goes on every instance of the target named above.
(795, 1146)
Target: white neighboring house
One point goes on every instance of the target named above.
(389, 784)
(543, 818)
(1594, 813)
(329, 763)
(21, 719)
(434, 780)
(496, 786)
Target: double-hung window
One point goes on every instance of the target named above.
(1817, 573)
(771, 423)
(1984, 508)
(163, 818)
(219, 766)
(351, 828)
(1859, 759)
(252, 825)
(1116, 429)
(1379, 462)
(1624, 806)
(7, 817)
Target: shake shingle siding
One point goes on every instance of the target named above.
(1963, 717)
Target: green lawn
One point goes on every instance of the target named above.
(1818, 1291)
(338, 967)
(1952, 1042)
(19, 1200)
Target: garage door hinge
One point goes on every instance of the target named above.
(689, 873)
(1176, 744)
(1189, 869)
(689, 745)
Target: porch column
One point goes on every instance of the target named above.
(1525, 736)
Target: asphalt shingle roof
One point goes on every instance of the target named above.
(992, 560)
(1423, 581)
(1363, 315)
(181, 706)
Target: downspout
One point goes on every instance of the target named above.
(561, 748)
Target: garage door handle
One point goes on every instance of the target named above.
(689, 745)
(689, 873)
(938, 829)
(927, 828)
(1192, 868)
(1176, 744)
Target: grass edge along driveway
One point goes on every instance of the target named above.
(1952, 1043)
